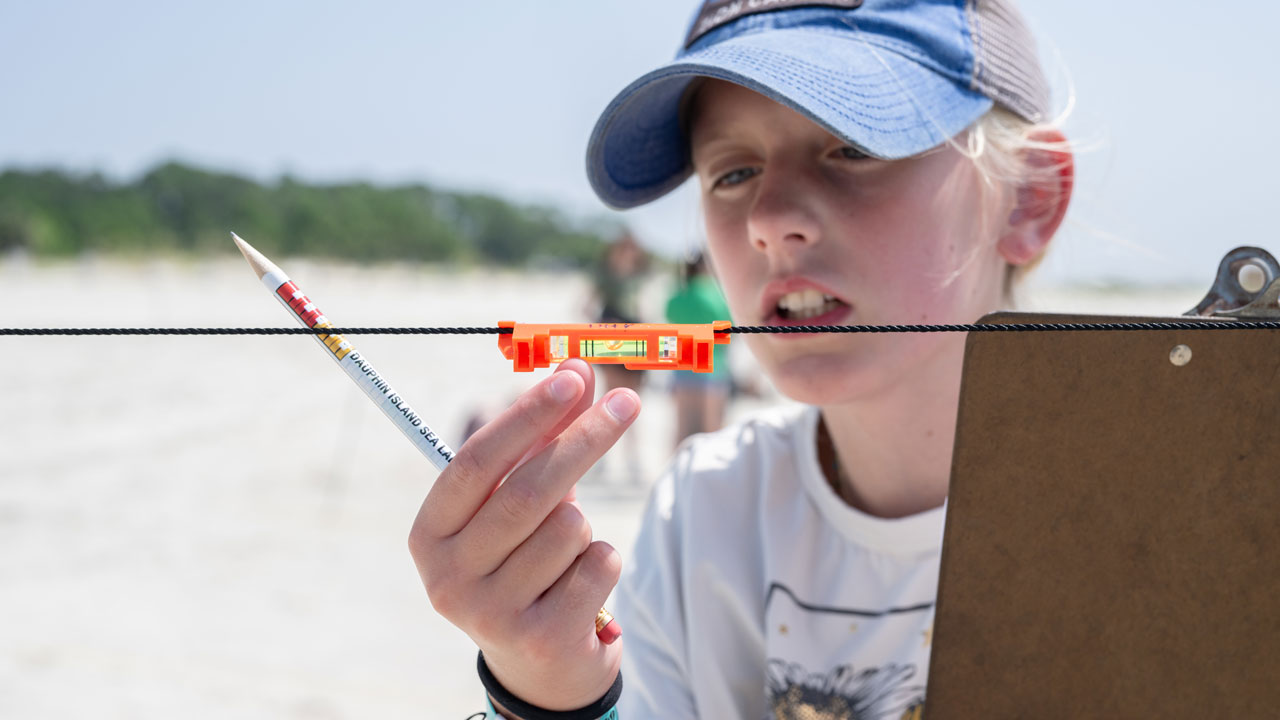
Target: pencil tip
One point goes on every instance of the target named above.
(260, 264)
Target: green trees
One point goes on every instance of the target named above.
(180, 208)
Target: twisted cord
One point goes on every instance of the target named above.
(261, 331)
(736, 329)
(1014, 327)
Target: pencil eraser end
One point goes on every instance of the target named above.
(610, 632)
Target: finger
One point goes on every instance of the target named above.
(584, 371)
(588, 395)
(583, 368)
(521, 503)
(540, 560)
(492, 451)
(570, 605)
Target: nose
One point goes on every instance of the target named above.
(783, 216)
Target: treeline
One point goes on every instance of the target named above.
(179, 208)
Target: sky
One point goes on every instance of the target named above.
(1173, 106)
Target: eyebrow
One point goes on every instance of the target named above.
(708, 146)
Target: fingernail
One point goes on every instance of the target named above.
(622, 405)
(563, 387)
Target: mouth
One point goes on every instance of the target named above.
(807, 306)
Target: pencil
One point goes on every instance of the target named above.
(353, 363)
(370, 381)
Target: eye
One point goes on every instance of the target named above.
(849, 152)
(735, 177)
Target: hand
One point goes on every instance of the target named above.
(512, 562)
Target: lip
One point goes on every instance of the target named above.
(774, 291)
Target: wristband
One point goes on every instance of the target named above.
(602, 709)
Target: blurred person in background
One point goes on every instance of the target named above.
(616, 280)
(700, 398)
(615, 284)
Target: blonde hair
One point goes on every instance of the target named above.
(1000, 144)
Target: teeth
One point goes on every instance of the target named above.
(805, 304)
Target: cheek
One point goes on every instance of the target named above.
(926, 246)
(732, 258)
(736, 284)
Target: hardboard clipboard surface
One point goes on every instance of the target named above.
(1112, 541)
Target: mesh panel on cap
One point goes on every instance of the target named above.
(1006, 67)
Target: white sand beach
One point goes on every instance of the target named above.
(214, 527)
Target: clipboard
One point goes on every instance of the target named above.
(1112, 541)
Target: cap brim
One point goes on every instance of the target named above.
(885, 103)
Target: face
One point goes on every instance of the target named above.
(805, 230)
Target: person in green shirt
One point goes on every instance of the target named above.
(700, 398)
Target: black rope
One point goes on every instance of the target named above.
(1204, 324)
(262, 331)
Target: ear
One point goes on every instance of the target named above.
(1041, 200)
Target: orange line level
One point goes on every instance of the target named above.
(636, 346)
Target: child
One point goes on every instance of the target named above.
(873, 161)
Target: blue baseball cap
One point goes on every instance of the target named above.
(891, 77)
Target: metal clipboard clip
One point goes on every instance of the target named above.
(1247, 286)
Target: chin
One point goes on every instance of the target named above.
(857, 368)
(821, 379)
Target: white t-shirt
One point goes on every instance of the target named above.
(755, 592)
